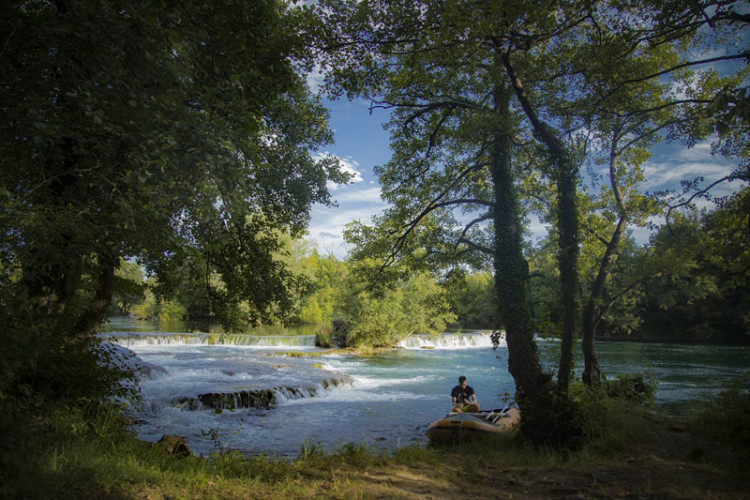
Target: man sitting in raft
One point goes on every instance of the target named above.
(464, 399)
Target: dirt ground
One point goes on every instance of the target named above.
(672, 462)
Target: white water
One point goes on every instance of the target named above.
(444, 341)
(383, 401)
(450, 341)
(137, 339)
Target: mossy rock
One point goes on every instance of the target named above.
(174, 445)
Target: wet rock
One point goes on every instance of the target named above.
(255, 398)
(264, 398)
(174, 445)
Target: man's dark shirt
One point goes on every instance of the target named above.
(462, 395)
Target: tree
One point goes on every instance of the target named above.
(383, 316)
(704, 264)
(650, 92)
(449, 80)
(169, 135)
(484, 96)
(129, 287)
(320, 306)
(472, 298)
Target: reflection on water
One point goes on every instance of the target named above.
(685, 373)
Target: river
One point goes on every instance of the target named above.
(214, 391)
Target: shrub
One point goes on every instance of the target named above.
(613, 412)
(324, 339)
(727, 415)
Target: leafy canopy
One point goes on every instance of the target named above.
(166, 134)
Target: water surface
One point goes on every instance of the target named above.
(384, 400)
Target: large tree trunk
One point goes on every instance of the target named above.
(592, 311)
(549, 416)
(533, 387)
(94, 315)
(567, 222)
(565, 173)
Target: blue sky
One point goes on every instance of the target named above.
(361, 143)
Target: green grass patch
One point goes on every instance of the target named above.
(71, 452)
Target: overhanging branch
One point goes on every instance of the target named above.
(476, 246)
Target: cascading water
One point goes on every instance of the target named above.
(450, 341)
(273, 394)
(443, 341)
(246, 392)
(135, 339)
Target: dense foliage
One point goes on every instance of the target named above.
(692, 278)
(336, 291)
(178, 136)
(164, 153)
(386, 315)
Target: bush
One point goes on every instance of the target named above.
(382, 317)
(727, 416)
(41, 369)
(324, 339)
(634, 388)
(613, 412)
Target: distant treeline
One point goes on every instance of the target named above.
(689, 283)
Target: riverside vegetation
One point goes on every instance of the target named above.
(176, 150)
(85, 452)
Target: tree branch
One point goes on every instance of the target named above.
(701, 192)
(687, 64)
(476, 246)
(468, 226)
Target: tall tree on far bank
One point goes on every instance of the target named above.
(677, 73)
(704, 258)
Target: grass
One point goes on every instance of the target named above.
(727, 416)
(69, 452)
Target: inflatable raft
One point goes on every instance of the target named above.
(455, 428)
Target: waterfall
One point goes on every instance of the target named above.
(258, 398)
(135, 339)
(450, 341)
(445, 341)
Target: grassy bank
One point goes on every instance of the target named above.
(86, 453)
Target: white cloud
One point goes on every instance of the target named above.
(536, 228)
(325, 235)
(676, 163)
(348, 165)
(368, 195)
(333, 220)
(641, 235)
(315, 79)
(669, 174)
(327, 224)
(681, 163)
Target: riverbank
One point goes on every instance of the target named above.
(72, 455)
